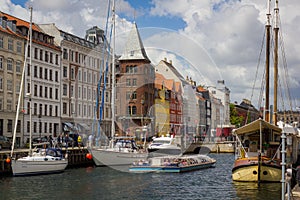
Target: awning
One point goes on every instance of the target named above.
(84, 126)
(255, 127)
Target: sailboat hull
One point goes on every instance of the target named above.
(38, 165)
(246, 170)
(107, 157)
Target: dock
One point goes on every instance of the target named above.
(76, 158)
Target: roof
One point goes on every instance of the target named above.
(134, 48)
(255, 127)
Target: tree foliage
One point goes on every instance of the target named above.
(235, 119)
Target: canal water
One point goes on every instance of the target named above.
(109, 184)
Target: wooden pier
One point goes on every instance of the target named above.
(76, 158)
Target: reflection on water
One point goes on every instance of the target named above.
(105, 183)
(253, 191)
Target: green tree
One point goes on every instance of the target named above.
(235, 119)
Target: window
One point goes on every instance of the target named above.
(9, 104)
(34, 127)
(134, 96)
(35, 90)
(1, 42)
(134, 82)
(19, 47)
(56, 59)
(79, 92)
(72, 73)
(28, 126)
(41, 72)
(56, 111)
(46, 127)
(128, 82)
(56, 76)
(28, 70)
(65, 72)
(35, 109)
(41, 91)
(10, 44)
(9, 85)
(18, 66)
(40, 109)
(65, 89)
(9, 125)
(133, 110)
(128, 95)
(50, 110)
(56, 94)
(1, 62)
(50, 93)
(9, 64)
(46, 92)
(35, 53)
(46, 110)
(46, 56)
(72, 91)
(35, 71)
(50, 75)
(46, 73)
(41, 54)
(65, 54)
(1, 83)
(51, 57)
(64, 108)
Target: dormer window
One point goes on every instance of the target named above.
(131, 53)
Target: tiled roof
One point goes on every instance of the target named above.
(134, 48)
(20, 22)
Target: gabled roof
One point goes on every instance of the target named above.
(134, 48)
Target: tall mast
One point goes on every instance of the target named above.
(30, 81)
(268, 27)
(113, 73)
(276, 28)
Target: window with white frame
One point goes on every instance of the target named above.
(10, 44)
(9, 85)
(18, 66)
(65, 89)
(9, 64)
(19, 47)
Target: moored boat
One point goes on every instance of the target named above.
(177, 164)
(257, 153)
(163, 146)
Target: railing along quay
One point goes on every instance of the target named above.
(76, 158)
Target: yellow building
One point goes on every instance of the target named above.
(162, 106)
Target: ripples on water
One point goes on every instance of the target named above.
(106, 183)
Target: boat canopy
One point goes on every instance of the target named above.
(255, 127)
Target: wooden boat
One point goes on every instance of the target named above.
(257, 153)
(173, 163)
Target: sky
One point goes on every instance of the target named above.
(207, 40)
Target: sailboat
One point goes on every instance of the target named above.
(121, 151)
(258, 154)
(42, 161)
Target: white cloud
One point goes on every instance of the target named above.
(221, 39)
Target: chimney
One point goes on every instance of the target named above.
(165, 59)
(171, 62)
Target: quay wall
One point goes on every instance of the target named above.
(76, 158)
(211, 147)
